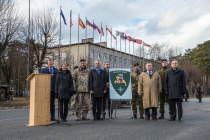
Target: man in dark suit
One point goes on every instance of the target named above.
(106, 95)
(51, 70)
(175, 87)
(97, 88)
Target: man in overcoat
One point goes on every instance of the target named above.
(175, 87)
(97, 88)
(149, 86)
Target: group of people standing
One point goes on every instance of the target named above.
(152, 87)
(88, 88)
(91, 87)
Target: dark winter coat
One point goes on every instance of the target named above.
(175, 83)
(97, 82)
(64, 85)
(47, 71)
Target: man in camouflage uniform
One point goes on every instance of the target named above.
(163, 96)
(135, 97)
(81, 87)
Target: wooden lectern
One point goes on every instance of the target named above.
(39, 113)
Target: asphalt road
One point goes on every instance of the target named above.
(195, 126)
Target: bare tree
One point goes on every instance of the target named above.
(44, 33)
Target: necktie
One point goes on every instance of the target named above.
(51, 70)
(150, 73)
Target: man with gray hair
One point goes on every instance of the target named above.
(149, 86)
(97, 88)
(175, 87)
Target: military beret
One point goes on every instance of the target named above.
(82, 60)
(137, 64)
(164, 60)
(75, 67)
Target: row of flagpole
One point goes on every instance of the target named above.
(81, 24)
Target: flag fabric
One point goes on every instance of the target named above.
(64, 19)
(102, 32)
(138, 41)
(123, 36)
(117, 33)
(134, 40)
(145, 44)
(111, 33)
(71, 23)
(99, 31)
(129, 38)
(90, 24)
(81, 24)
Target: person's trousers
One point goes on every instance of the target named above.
(63, 104)
(154, 112)
(173, 104)
(82, 104)
(52, 104)
(136, 98)
(97, 102)
(106, 97)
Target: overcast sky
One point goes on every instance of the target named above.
(181, 23)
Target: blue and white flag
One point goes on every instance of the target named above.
(64, 19)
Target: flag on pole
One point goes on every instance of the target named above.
(129, 38)
(71, 23)
(145, 44)
(90, 24)
(123, 36)
(81, 24)
(111, 33)
(102, 32)
(138, 41)
(117, 33)
(99, 31)
(64, 19)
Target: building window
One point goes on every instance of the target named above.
(55, 56)
(92, 54)
(63, 56)
(110, 58)
(115, 59)
(120, 59)
(99, 55)
(125, 61)
(105, 56)
(129, 63)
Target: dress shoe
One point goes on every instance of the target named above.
(99, 118)
(134, 116)
(94, 118)
(172, 119)
(161, 116)
(103, 117)
(147, 119)
(155, 118)
(53, 119)
(180, 119)
(85, 118)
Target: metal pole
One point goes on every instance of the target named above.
(78, 41)
(28, 60)
(59, 51)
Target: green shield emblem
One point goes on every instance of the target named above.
(120, 80)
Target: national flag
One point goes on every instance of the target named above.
(102, 32)
(129, 38)
(123, 36)
(90, 24)
(64, 19)
(111, 33)
(99, 31)
(145, 44)
(81, 24)
(134, 40)
(117, 33)
(71, 23)
(138, 41)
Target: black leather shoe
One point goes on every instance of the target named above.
(172, 119)
(103, 116)
(94, 118)
(180, 119)
(155, 118)
(99, 118)
(147, 119)
(53, 119)
(141, 117)
(161, 116)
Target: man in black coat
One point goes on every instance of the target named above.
(97, 88)
(51, 70)
(175, 87)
